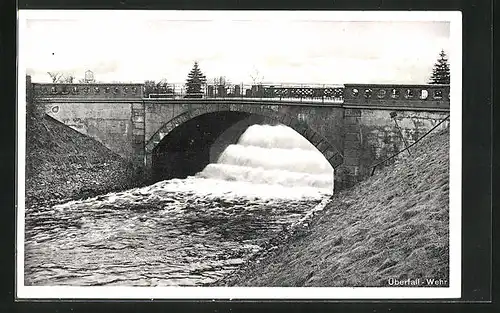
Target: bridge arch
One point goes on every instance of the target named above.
(153, 145)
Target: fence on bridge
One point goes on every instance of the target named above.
(315, 93)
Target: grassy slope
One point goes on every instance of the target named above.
(63, 164)
(394, 224)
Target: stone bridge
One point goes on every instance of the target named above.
(354, 126)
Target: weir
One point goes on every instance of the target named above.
(351, 126)
(266, 154)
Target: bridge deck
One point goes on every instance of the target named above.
(385, 105)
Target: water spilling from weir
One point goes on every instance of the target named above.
(273, 155)
(182, 232)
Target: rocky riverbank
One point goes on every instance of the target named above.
(393, 225)
(63, 164)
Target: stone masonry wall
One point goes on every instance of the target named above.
(364, 136)
(112, 124)
(372, 136)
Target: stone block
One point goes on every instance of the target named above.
(308, 132)
(224, 107)
(352, 112)
(329, 154)
(181, 119)
(137, 106)
(344, 178)
(254, 109)
(322, 146)
(336, 160)
(149, 160)
(350, 145)
(138, 119)
(138, 139)
(352, 152)
(351, 170)
(314, 137)
(287, 120)
(352, 137)
(351, 120)
(139, 160)
(351, 161)
(298, 127)
(138, 131)
(352, 128)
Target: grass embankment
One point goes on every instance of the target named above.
(392, 225)
(63, 164)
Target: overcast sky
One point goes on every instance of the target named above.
(294, 51)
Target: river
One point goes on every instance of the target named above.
(182, 232)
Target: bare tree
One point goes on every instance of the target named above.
(150, 87)
(68, 79)
(59, 77)
(160, 87)
(55, 76)
(257, 78)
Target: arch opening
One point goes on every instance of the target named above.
(193, 140)
(185, 150)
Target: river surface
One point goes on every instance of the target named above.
(182, 232)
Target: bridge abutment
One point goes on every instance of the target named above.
(352, 147)
(138, 133)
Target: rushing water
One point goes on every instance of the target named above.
(181, 232)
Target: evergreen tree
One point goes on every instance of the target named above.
(195, 81)
(441, 70)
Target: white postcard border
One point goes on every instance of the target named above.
(63, 292)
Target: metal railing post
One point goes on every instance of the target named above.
(393, 115)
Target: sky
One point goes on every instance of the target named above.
(286, 50)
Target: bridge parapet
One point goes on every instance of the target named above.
(422, 96)
(91, 91)
(435, 97)
(323, 93)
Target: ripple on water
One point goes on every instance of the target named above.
(181, 232)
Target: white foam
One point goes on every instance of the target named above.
(296, 160)
(219, 188)
(272, 155)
